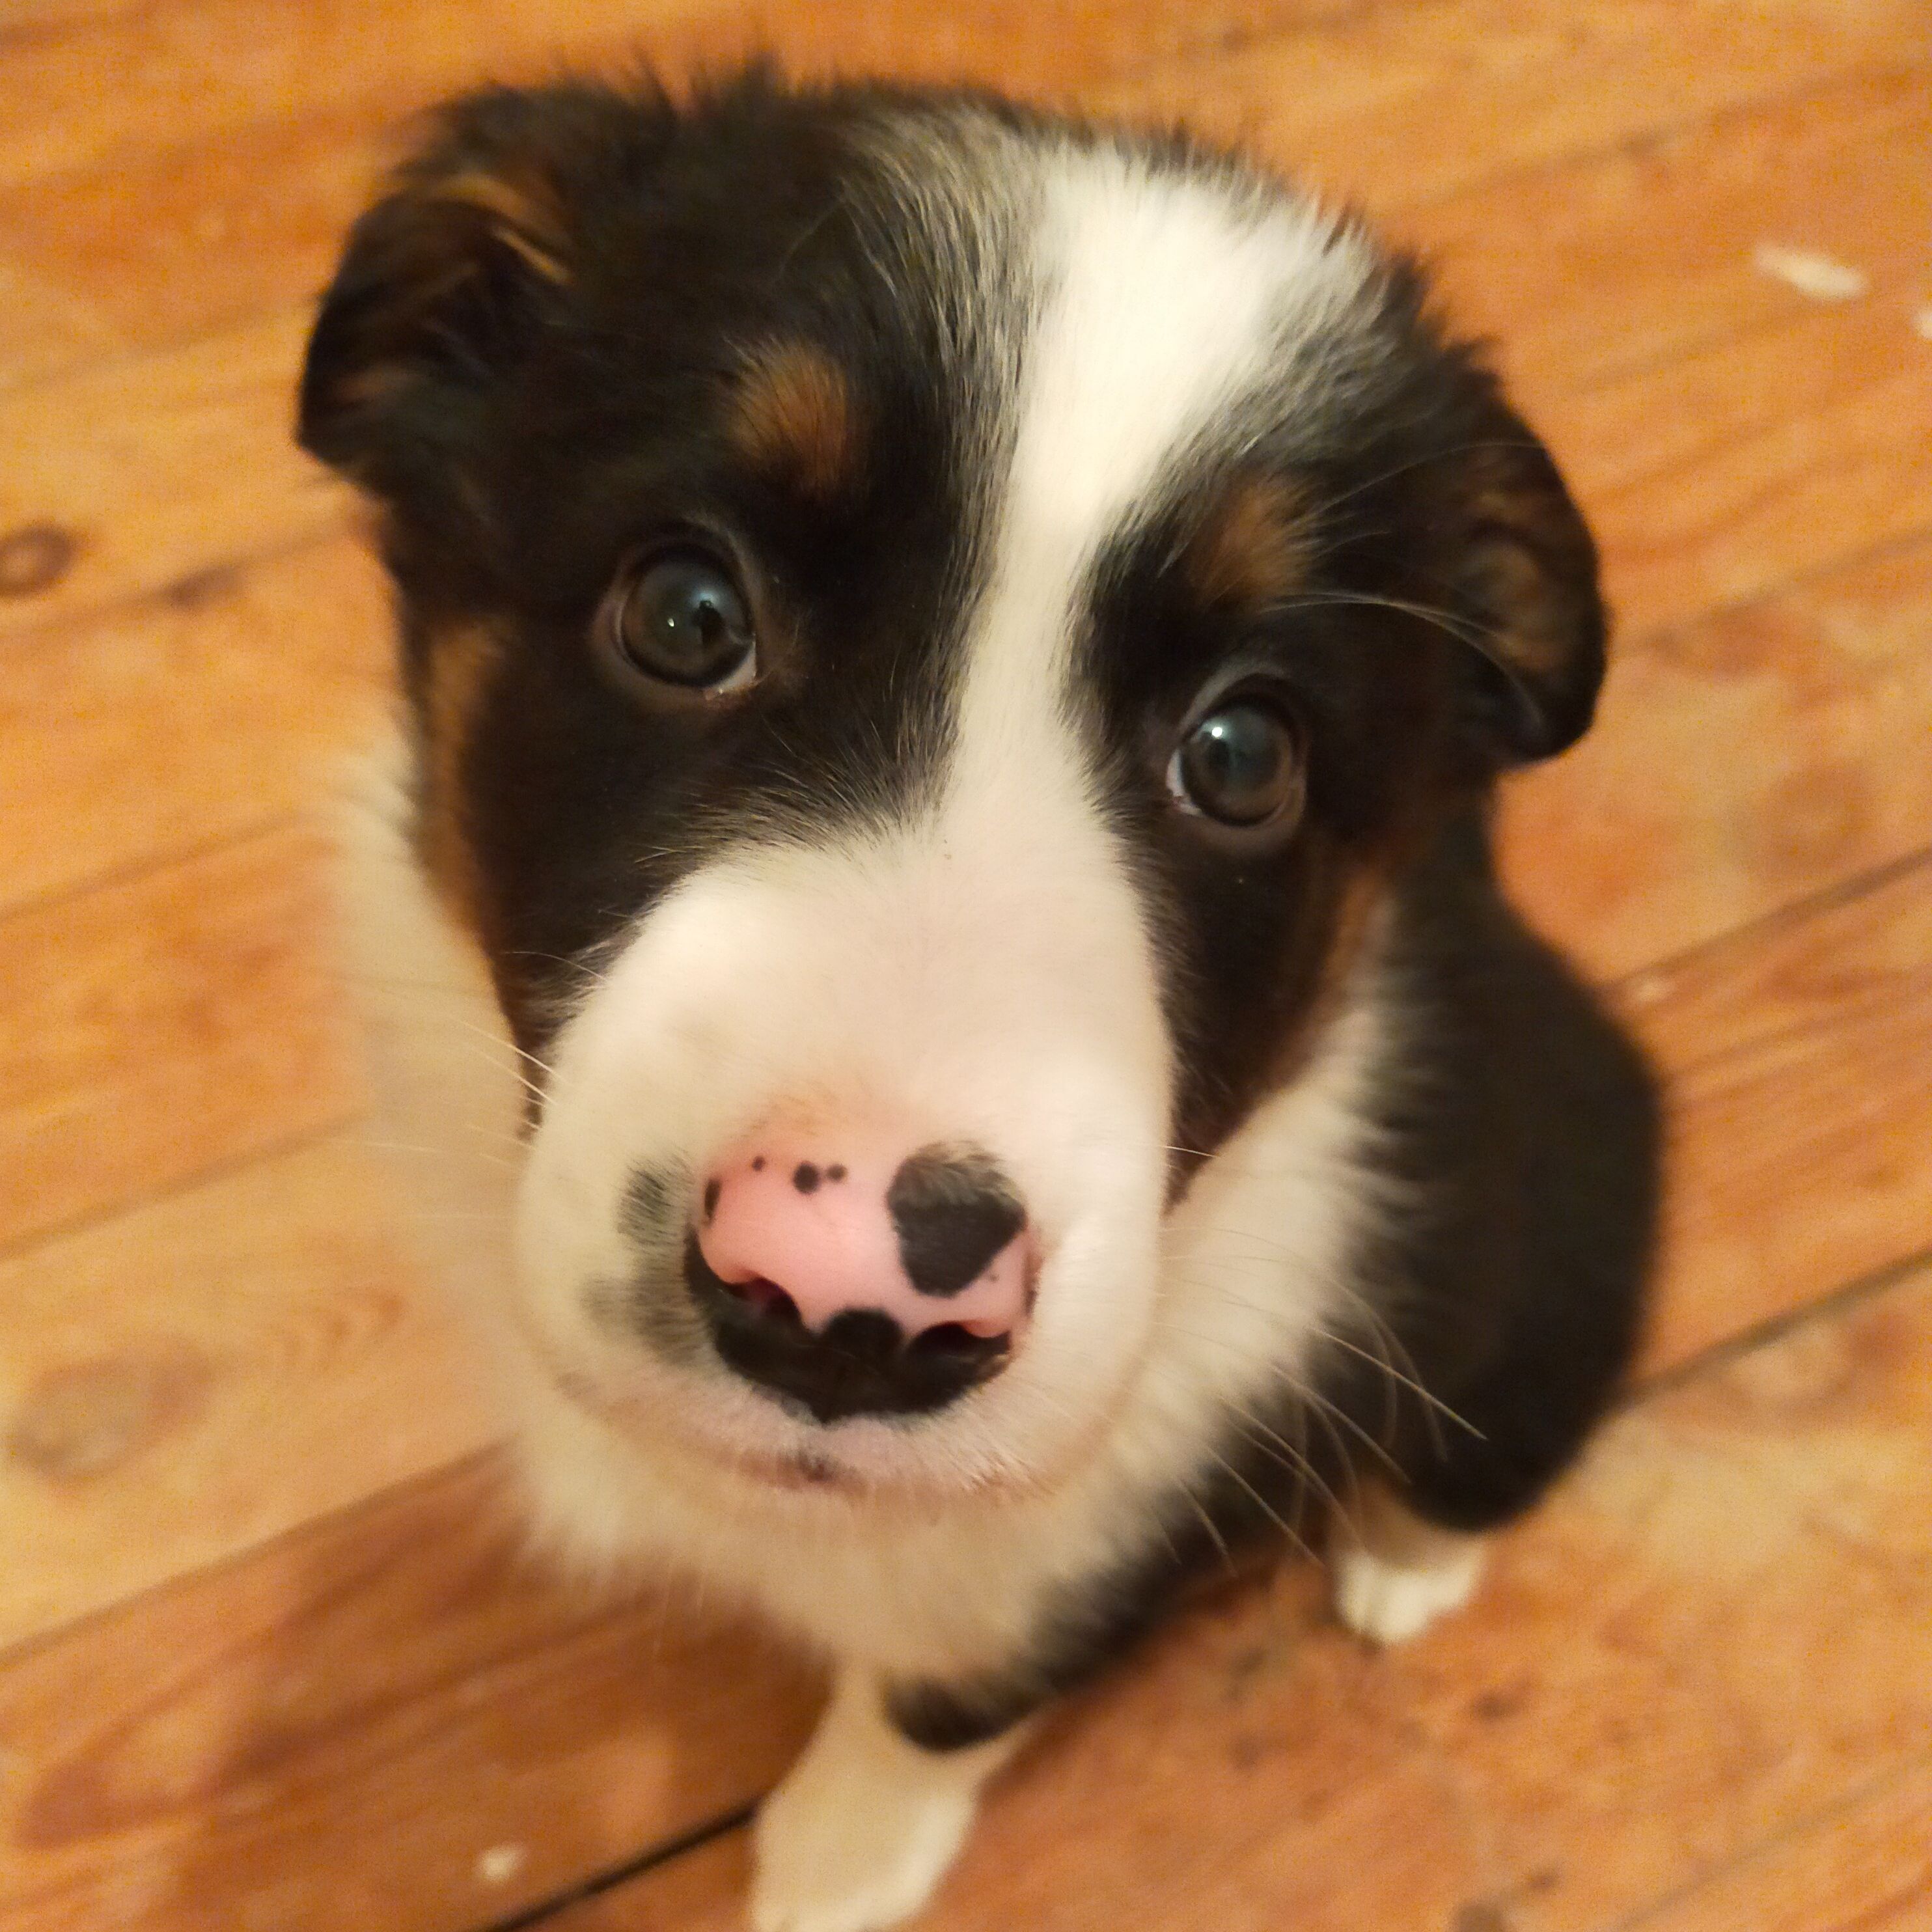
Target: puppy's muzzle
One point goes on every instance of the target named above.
(851, 1271)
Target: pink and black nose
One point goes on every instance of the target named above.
(839, 1270)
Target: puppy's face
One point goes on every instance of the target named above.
(929, 634)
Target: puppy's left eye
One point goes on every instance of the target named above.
(679, 617)
(1241, 767)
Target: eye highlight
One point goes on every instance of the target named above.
(1241, 767)
(679, 617)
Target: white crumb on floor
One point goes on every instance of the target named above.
(1810, 273)
(500, 1864)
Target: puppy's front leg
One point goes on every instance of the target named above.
(866, 1822)
(1395, 1573)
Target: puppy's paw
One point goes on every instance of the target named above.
(865, 1825)
(1389, 1601)
(834, 1855)
(1395, 1574)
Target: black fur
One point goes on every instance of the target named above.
(1523, 1131)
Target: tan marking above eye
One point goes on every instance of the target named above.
(1254, 547)
(793, 417)
(521, 217)
(462, 661)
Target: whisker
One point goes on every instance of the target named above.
(1389, 476)
(1261, 1503)
(1459, 628)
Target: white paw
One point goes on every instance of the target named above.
(1389, 1602)
(865, 1825)
(831, 1858)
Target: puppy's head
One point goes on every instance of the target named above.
(929, 632)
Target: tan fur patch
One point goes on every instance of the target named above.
(1255, 546)
(522, 216)
(794, 418)
(460, 665)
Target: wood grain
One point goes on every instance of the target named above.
(188, 464)
(1799, 1061)
(1647, 252)
(1395, 107)
(1865, 1868)
(146, 1364)
(196, 715)
(1725, 1631)
(1718, 1631)
(162, 1027)
(219, 225)
(56, 118)
(1717, 476)
(1739, 762)
(331, 1733)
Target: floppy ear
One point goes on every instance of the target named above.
(446, 278)
(1521, 569)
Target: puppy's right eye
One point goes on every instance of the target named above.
(679, 617)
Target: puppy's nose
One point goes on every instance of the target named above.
(841, 1268)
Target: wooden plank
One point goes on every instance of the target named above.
(1865, 1868)
(1800, 1071)
(237, 222)
(241, 62)
(334, 1733)
(42, 328)
(163, 1027)
(1738, 763)
(1725, 1629)
(159, 247)
(1723, 1625)
(1715, 478)
(187, 463)
(188, 717)
(194, 1377)
(1649, 251)
(1391, 108)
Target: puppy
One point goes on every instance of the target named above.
(931, 938)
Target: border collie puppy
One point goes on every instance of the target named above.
(931, 935)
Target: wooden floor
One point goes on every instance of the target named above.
(270, 1654)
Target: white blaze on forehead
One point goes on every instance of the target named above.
(1162, 299)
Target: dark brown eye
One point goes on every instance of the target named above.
(1240, 766)
(678, 617)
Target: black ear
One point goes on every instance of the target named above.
(1521, 569)
(445, 279)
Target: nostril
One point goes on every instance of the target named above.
(767, 1299)
(965, 1342)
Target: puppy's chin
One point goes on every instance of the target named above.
(714, 1427)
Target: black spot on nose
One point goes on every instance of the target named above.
(805, 1178)
(954, 1210)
